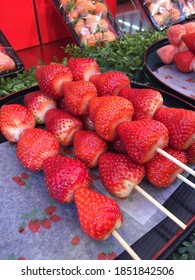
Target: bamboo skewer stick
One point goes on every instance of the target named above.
(185, 180)
(129, 250)
(161, 207)
(176, 161)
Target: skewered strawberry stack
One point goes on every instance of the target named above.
(121, 130)
(181, 47)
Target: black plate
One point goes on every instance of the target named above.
(11, 53)
(161, 240)
(152, 62)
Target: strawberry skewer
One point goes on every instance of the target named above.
(66, 180)
(180, 123)
(181, 128)
(143, 139)
(176, 161)
(100, 216)
(126, 177)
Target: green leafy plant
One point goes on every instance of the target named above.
(125, 54)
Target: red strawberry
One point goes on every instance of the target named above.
(94, 78)
(175, 33)
(189, 40)
(142, 137)
(94, 104)
(189, 26)
(190, 153)
(119, 174)
(112, 111)
(75, 240)
(166, 53)
(15, 118)
(77, 95)
(184, 61)
(180, 124)
(63, 176)
(34, 146)
(87, 123)
(145, 101)
(39, 103)
(162, 172)
(88, 146)
(51, 77)
(83, 67)
(50, 210)
(110, 83)
(118, 146)
(63, 125)
(55, 218)
(46, 223)
(98, 214)
(34, 226)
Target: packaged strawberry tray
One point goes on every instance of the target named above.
(164, 13)
(35, 227)
(90, 23)
(10, 64)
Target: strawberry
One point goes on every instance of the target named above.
(174, 34)
(112, 111)
(162, 172)
(145, 101)
(184, 61)
(100, 9)
(83, 67)
(34, 226)
(118, 146)
(94, 104)
(88, 146)
(87, 123)
(190, 153)
(34, 146)
(110, 83)
(189, 26)
(79, 26)
(51, 77)
(166, 53)
(108, 36)
(119, 174)
(6, 63)
(84, 7)
(180, 124)
(15, 118)
(77, 95)
(94, 78)
(63, 125)
(39, 103)
(98, 214)
(63, 175)
(142, 137)
(88, 39)
(189, 40)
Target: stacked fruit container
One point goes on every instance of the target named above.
(10, 64)
(164, 13)
(90, 22)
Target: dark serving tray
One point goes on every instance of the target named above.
(161, 240)
(7, 48)
(152, 62)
